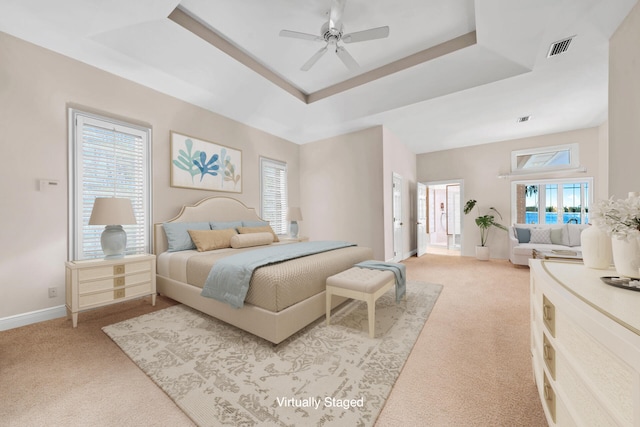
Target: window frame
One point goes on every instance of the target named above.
(542, 205)
(282, 228)
(75, 170)
(574, 158)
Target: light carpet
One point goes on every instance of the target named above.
(322, 376)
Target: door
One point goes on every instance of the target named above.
(421, 215)
(397, 218)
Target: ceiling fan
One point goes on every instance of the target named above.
(332, 32)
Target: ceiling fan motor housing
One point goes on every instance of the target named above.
(331, 35)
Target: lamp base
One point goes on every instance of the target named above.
(293, 229)
(113, 241)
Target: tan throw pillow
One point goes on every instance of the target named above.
(208, 240)
(252, 239)
(263, 229)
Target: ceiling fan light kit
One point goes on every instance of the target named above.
(332, 32)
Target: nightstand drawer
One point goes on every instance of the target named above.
(101, 272)
(113, 282)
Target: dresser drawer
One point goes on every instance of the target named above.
(549, 315)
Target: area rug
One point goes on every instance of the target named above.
(321, 376)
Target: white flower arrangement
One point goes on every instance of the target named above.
(618, 218)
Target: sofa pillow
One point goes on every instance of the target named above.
(263, 229)
(523, 234)
(540, 235)
(574, 233)
(178, 238)
(252, 239)
(557, 236)
(225, 225)
(208, 240)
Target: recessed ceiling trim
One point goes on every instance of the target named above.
(425, 55)
(183, 19)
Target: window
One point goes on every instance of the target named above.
(273, 194)
(545, 159)
(107, 158)
(552, 201)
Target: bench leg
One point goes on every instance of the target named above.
(371, 308)
(328, 293)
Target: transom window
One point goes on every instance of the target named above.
(545, 159)
(551, 201)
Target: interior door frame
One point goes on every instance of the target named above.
(422, 228)
(398, 255)
(459, 182)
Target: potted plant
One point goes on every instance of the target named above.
(484, 222)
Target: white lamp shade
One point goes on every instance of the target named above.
(294, 214)
(112, 211)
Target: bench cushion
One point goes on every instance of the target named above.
(361, 279)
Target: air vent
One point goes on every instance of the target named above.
(559, 47)
(523, 119)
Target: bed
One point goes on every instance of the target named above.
(282, 298)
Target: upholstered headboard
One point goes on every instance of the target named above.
(211, 209)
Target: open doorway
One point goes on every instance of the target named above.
(444, 217)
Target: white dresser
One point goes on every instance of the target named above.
(99, 282)
(585, 344)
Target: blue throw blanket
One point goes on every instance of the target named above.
(400, 270)
(228, 280)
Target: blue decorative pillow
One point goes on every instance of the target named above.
(254, 223)
(523, 235)
(225, 225)
(178, 237)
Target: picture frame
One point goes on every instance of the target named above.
(203, 165)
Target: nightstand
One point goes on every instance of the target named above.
(99, 282)
(293, 239)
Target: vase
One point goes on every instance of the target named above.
(626, 257)
(596, 248)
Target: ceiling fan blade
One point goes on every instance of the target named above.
(307, 65)
(297, 35)
(371, 34)
(335, 14)
(347, 58)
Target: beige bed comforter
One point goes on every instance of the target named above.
(273, 287)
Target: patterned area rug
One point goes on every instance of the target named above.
(321, 376)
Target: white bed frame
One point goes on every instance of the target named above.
(274, 327)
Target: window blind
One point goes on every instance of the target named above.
(273, 190)
(111, 159)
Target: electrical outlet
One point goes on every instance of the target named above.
(53, 292)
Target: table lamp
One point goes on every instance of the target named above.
(112, 212)
(294, 215)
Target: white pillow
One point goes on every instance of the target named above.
(574, 233)
(540, 235)
(251, 239)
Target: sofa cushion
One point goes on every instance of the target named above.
(522, 234)
(541, 235)
(574, 233)
(557, 236)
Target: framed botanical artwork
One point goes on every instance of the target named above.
(204, 165)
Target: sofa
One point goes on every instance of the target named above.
(524, 238)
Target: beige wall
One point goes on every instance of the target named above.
(479, 167)
(36, 87)
(342, 178)
(624, 106)
(397, 158)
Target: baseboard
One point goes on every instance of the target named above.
(24, 319)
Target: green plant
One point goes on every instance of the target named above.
(484, 222)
